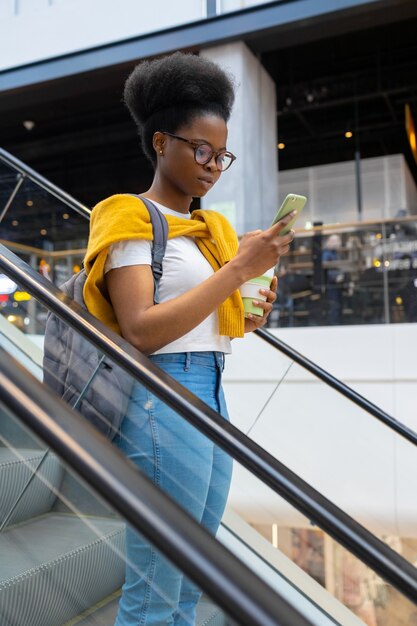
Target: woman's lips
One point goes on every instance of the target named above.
(207, 182)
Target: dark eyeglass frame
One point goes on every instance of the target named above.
(197, 144)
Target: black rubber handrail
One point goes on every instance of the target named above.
(311, 503)
(322, 374)
(216, 570)
(273, 473)
(27, 172)
(339, 386)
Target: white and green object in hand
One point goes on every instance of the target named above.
(250, 292)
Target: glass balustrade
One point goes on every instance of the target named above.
(62, 547)
(345, 453)
(359, 273)
(46, 233)
(298, 559)
(342, 274)
(365, 469)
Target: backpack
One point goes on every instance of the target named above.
(76, 370)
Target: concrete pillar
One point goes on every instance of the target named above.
(247, 194)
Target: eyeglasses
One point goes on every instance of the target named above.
(203, 153)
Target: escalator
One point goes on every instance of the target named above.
(73, 503)
(62, 550)
(54, 497)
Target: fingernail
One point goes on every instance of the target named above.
(255, 302)
(263, 291)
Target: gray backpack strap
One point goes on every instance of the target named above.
(160, 237)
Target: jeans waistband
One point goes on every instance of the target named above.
(213, 359)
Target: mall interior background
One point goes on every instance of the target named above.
(320, 111)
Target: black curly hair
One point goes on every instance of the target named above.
(169, 92)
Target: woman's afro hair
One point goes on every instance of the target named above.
(169, 92)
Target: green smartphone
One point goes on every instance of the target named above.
(291, 203)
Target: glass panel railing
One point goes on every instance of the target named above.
(45, 503)
(342, 274)
(346, 590)
(336, 446)
(184, 474)
(43, 230)
(63, 549)
(41, 220)
(69, 566)
(255, 548)
(252, 420)
(363, 273)
(33, 215)
(21, 347)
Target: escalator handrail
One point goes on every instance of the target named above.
(27, 172)
(348, 532)
(316, 370)
(216, 570)
(339, 386)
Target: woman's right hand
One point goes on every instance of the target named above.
(259, 250)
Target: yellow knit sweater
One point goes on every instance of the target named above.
(122, 217)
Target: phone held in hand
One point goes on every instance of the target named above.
(292, 202)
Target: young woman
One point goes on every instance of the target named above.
(181, 104)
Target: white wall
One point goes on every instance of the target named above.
(387, 186)
(357, 462)
(34, 30)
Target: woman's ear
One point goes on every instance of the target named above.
(158, 142)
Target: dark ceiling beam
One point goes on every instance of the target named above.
(64, 144)
(304, 122)
(390, 71)
(334, 134)
(390, 107)
(326, 104)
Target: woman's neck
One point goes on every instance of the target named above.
(169, 197)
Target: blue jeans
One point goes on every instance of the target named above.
(190, 468)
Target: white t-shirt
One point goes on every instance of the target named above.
(184, 267)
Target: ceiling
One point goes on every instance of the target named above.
(358, 82)
(84, 140)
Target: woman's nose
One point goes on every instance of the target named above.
(211, 166)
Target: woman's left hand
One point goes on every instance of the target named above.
(252, 322)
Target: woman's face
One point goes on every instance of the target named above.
(177, 164)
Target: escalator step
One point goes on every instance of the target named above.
(57, 566)
(16, 468)
(104, 614)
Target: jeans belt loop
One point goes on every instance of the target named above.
(220, 360)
